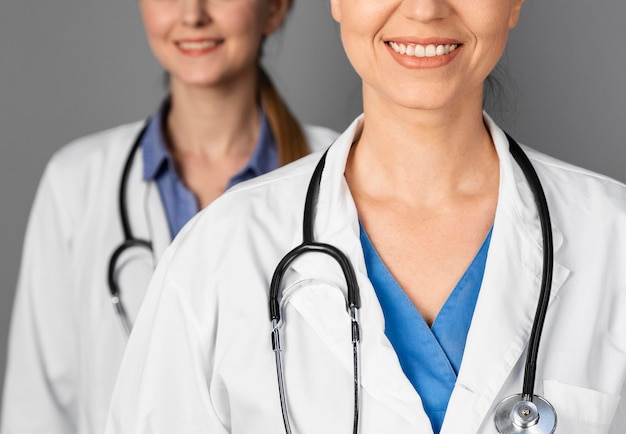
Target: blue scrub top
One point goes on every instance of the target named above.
(179, 202)
(430, 356)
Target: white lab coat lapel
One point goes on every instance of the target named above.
(507, 302)
(336, 223)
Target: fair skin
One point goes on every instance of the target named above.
(210, 49)
(424, 173)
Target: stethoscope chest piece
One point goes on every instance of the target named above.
(517, 415)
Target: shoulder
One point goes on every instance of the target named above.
(265, 211)
(280, 191)
(319, 138)
(79, 173)
(303, 167)
(580, 195)
(104, 144)
(227, 252)
(586, 186)
(270, 205)
(94, 156)
(589, 210)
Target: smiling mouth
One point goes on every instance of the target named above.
(198, 45)
(416, 50)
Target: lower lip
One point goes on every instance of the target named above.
(197, 51)
(413, 62)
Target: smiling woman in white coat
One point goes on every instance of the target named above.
(490, 300)
(222, 123)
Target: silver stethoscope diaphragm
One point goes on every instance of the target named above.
(518, 415)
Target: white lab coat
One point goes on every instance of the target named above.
(65, 342)
(200, 359)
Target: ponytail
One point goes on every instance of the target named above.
(288, 135)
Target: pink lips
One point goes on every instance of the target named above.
(197, 46)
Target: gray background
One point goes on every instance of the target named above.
(72, 67)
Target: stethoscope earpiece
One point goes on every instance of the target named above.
(518, 415)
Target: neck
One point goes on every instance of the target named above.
(213, 122)
(425, 155)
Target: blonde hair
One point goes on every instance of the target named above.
(288, 135)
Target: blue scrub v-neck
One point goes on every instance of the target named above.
(430, 356)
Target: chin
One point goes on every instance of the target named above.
(195, 80)
(423, 101)
(436, 98)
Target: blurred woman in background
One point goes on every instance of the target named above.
(110, 203)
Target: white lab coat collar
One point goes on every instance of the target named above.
(506, 304)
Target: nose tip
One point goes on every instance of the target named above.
(195, 13)
(425, 10)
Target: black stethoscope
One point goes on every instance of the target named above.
(130, 241)
(522, 413)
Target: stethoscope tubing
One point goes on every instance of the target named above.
(129, 239)
(530, 369)
(353, 301)
(309, 245)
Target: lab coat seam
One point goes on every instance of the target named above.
(549, 162)
(313, 133)
(75, 160)
(114, 140)
(268, 179)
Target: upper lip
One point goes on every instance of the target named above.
(192, 40)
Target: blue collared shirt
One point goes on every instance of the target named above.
(179, 202)
(430, 356)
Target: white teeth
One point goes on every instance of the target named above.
(416, 50)
(196, 45)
